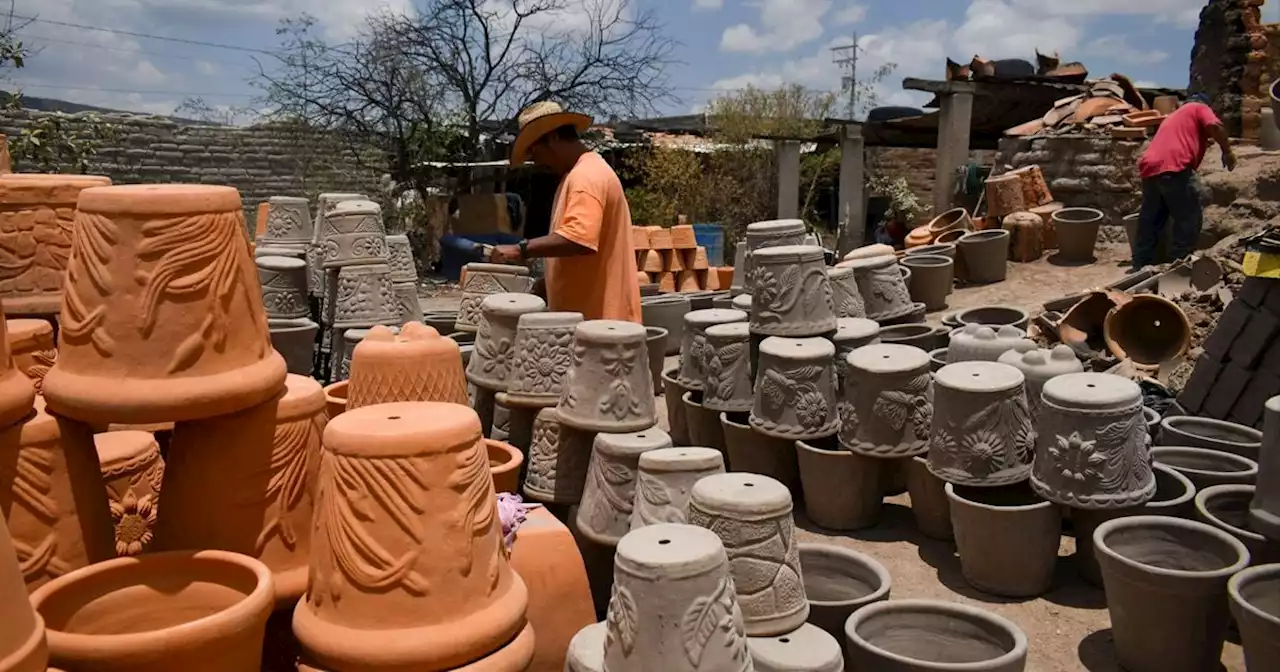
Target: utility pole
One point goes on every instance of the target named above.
(847, 56)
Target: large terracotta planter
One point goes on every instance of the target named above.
(838, 582)
(481, 280)
(492, 361)
(40, 213)
(1220, 435)
(1076, 230)
(1206, 467)
(609, 388)
(1175, 494)
(667, 312)
(415, 365)
(1226, 507)
(1166, 583)
(22, 640)
(752, 452)
(745, 510)
(665, 482)
(982, 433)
(203, 611)
(928, 635)
(1007, 538)
(187, 338)
(1148, 330)
(931, 279)
(843, 490)
(261, 460)
(695, 350)
(545, 557)
(434, 499)
(929, 504)
(887, 403)
(609, 496)
(986, 256)
(1257, 614)
(795, 392)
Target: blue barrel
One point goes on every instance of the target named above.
(711, 236)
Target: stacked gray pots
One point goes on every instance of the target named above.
(609, 388)
(845, 295)
(772, 233)
(493, 359)
(609, 495)
(795, 389)
(791, 294)
(665, 482)
(887, 404)
(694, 350)
(481, 281)
(884, 294)
(727, 369)
(666, 312)
(851, 333)
(1039, 366)
(284, 287)
(364, 297)
(1264, 511)
(982, 432)
(541, 355)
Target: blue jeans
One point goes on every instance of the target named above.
(1163, 196)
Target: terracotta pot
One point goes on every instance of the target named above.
(1220, 435)
(542, 351)
(17, 394)
(994, 317)
(795, 398)
(656, 341)
(673, 398)
(22, 640)
(40, 210)
(925, 635)
(609, 495)
(805, 649)
(918, 237)
(1175, 494)
(665, 482)
(545, 557)
(791, 295)
(504, 465)
(609, 388)
(695, 351)
(32, 346)
(982, 433)
(937, 359)
(1206, 467)
(703, 424)
(742, 509)
(663, 573)
(929, 504)
(728, 380)
(667, 312)
(132, 471)
(415, 365)
(1148, 330)
(1226, 507)
(956, 218)
(335, 398)
(986, 256)
(481, 280)
(888, 401)
(1252, 592)
(920, 336)
(884, 293)
(437, 500)
(947, 250)
(1166, 583)
(295, 340)
(1007, 538)
(1076, 230)
(203, 611)
(1040, 366)
(843, 490)
(931, 279)
(839, 581)
(755, 453)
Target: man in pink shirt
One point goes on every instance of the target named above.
(1168, 169)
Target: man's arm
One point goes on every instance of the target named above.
(578, 233)
(1219, 135)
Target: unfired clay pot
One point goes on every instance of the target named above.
(921, 336)
(1166, 583)
(839, 581)
(994, 317)
(695, 350)
(492, 360)
(1091, 446)
(1175, 494)
(609, 496)
(295, 340)
(884, 293)
(1148, 330)
(665, 481)
(931, 279)
(843, 490)
(609, 388)
(482, 280)
(558, 460)
(656, 341)
(1228, 437)
(1007, 538)
(1076, 230)
(415, 365)
(752, 516)
(703, 424)
(364, 297)
(982, 433)
(667, 312)
(406, 295)
(1264, 512)
(1226, 507)
(401, 487)
(245, 482)
(754, 453)
(927, 635)
(929, 504)
(1038, 366)
(673, 398)
(1206, 467)
(986, 255)
(284, 287)
(32, 347)
(773, 233)
(956, 218)
(980, 343)
(132, 471)
(727, 378)
(400, 259)
(845, 295)
(795, 389)
(805, 649)
(673, 605)
(586, 650)
(288, 222)
(162, 320)
(22, 640)
(352, 233)
(851, 333)
(204, 611)
(1257, 613)
(887, 403)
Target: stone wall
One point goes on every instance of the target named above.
(1084, 171)
(1227, 62)
(260, 161)
(917, 165)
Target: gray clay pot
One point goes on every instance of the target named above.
(838, 582)
(1175, 494)
(843, 490)
(792, 293)
(668, 313)
(986, 255)
(673, 395)
(884, 294)
(937, 359)
(1152, 417)
(295, 340)
(1226, 507)
(1264, 513)
(922, 336)
(648, 289)
(994, 317)
(1255, 604)
(703, 423)
(806, 649)
(1221, 435)
(1077, 232)
(656, 341)
(930, 635)
(586, 650)
(1007, 538)
(932, 277)
(1166, 582)
(947, 250)
(929, 503)
(1206, 467)
(845, 295)
(443, 321)
(750, 451)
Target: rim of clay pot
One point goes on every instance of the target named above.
(725, 419)
(663, 299)
(1168, 456)
(1077, 216)
(987, 621)
(939, 356)
(947, 220)
(291, 325)
(1188, 488)
(652, 333)
(949, 237)
(994, 316)
(847, 557)
(1113, 335)
(901, 332)
(927, 260)
(509, 457)
(1240, 584)
(1151, 415)
(984, 236)
(954, 496)
(78, 589)
(336, 393)
(1187, 424)
(1124, 524)
(463, 337)
(1236, 490)
(931, 250)
(1274, 90)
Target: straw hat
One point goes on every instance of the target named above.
(540, 119)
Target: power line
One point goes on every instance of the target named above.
(148, 36)
(74, 87)
(847, 55)
(132, 51)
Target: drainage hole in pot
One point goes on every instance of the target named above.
(639, 436)
(784, 640)
(1090, 385)
(750, 485)
(663, 542)
(393, 417)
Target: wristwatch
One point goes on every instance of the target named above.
(524, 249)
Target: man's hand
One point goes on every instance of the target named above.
(505, 254)
(1229, 160)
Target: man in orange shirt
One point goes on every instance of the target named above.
(591, 264)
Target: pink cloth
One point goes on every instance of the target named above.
(512, 511)
(1180, 142)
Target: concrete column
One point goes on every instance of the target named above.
(852, 216)
(788, 153)
(953, 141)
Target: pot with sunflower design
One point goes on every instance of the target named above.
(982, 434)
(887, 401)
(491, 364)
(132, 471)
(792, 294)
(542, 355)
(795, 396)
(609, 388)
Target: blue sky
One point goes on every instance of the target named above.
(724, 44)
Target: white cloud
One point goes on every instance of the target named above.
(849, 15)
(707, 4)
(785, 25)
(1183, 13)
(1000, 29)
(1118, 47)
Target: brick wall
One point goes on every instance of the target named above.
(917, 165)
(1227, 62)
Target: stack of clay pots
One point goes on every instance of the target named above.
(714, 356)
(480, 280)
(318, 284)
(289, 293)
(542, 354)
(404, 277)
(884, 290)
(760, 235)
(489, 370)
